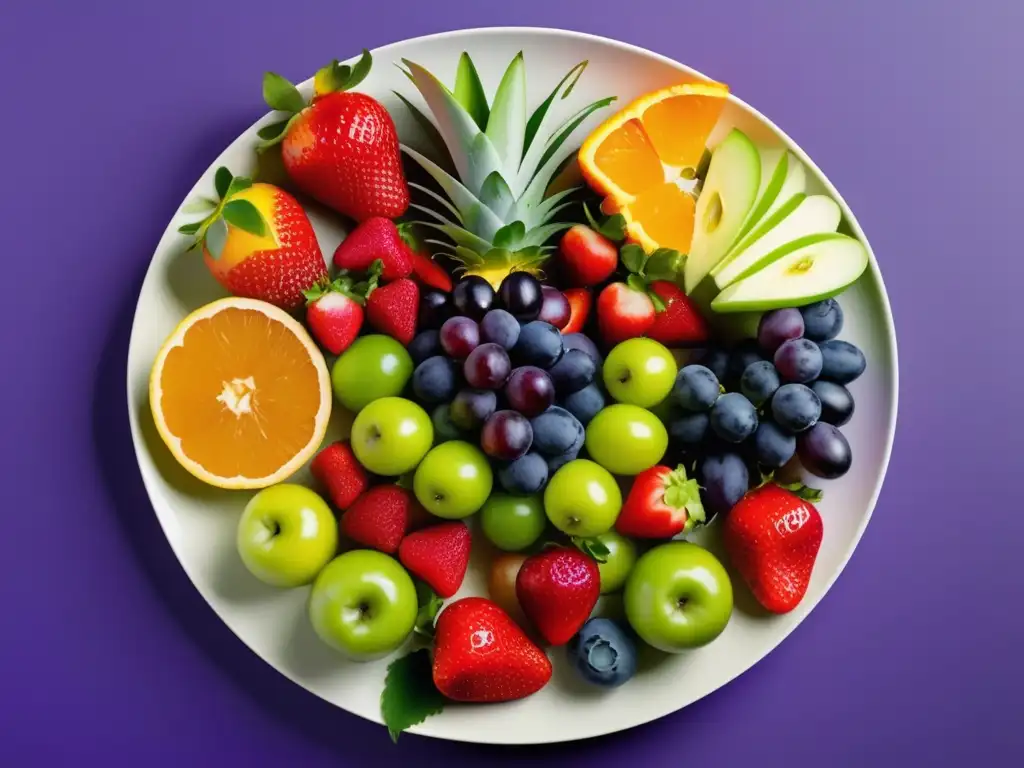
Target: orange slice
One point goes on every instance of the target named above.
(240, 394)
(643, 159)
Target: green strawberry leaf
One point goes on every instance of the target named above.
(190, 229)
(636, 283)
(594, 548)
(281, 94)
(215, 238)
(633, 258)
(199, 205)
(409, 696)
(272, 131)
(659, 305)
(237, 185)
(430, 605)
(804, 492)
(332, 77)
(664, 264)
(613, 227)
(359, 71)
(221, 181)
(243, 214)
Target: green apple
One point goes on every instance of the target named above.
(582, 499)
(511, 522)
(626, 439)
(391, 435)
(374, 366)
(774, 162)
(728, 195)
(453, 480)
(640, 372)
(678, 596)
(802, 216)
(802, 272)
(286, 534)
(618, 563)
(363, 604)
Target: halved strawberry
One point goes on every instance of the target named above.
(580, 302)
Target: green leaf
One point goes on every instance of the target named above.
(510, 235)
(190, 229)
(637, 283)
(469, 91)
(331, 78)
(467, 256)
(659, 305)
(272, 131)
(507, 123)
(409, 696)
(664, 264)
(537, 118)
(215, 238)
(359, 71)
(806, 493)
(237, 185)
(633, 258)
(429, 606)
(614, 227)
(243, 214)
(221, 181)
(281, 94)
(496, 195)
(199, 205)
(430, 130)
(594, 548)
(540, 235)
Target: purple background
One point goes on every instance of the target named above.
(914, 111)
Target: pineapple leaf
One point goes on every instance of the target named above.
(481, 221)
(540, 235)
(477, 217)
(440, 246)
(468, 256)
(462, 237)
(537, 118)
(510, 236)
(548, 207)
(482, 162)
(506, 126)
(469, 91)
(434, 196)
(496, 195)
(439, 217)
(431, 132)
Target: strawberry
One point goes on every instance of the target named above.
(379, 518)
(429, 272)
(392, 309)
(587, 257)
(375, 238)
(480, 655)
(662, 503)
(341, 148)
(679, 323)
(334, 314)
(257, 242)
(580, 302)
(439, 555)
(557, 589)
(623, 312)
(337, 470)
(772, 537)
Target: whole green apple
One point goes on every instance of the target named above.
(582, 499)
(374, 366)
(626, 439)
(453, 480)
(391, 435)
(617, 563)
(363, 604)
(639, 372)
(678, 597)
(286, 534)
(511, 522)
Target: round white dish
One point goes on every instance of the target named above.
(200, 521)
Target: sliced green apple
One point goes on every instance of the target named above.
(802, 217)
(804, 271)
(728, 194)
(773, 174)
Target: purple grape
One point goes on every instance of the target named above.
(554, 307)
(499, 327)
(435, 308)
(715, 360)
(573, 372)
(435, 380)
(530, 390)
(556, 432)
(824, 451)
(733, 417)
(583, 343)
(746, 352)
(472, 407)
(584, 404)
(696, 388)
(487, 367)
(798, 360)
(473, 296)
(795, 407)
(521, 295)
(823, 320)
(426, 344)
(759, 382)
(837, 404)
(842, 362)
(773, 446)
(539, 344)
(459, 337)
(723, 479)
(779, 326)
(527, 474)
(506, 435)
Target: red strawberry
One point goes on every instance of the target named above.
(480, 654)
(772, 537)
(587, 256)
(679, 324)
(334, 314)
(392, 309)
(580, 302)
(623, 313)
(662, 503)
(342, 148)
(439, 555)
(379, 518)
(429, 272)
(337, 470)
(557, 589)
(375, 238)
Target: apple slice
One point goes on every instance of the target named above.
(794, 184)
(804, 271)
(729, 193)
(774, 164)
(801, 217)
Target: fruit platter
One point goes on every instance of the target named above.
(512, 385)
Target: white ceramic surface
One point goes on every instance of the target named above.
(200, 522)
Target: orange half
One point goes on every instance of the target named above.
(240, 394)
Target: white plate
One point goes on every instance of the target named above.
(200, 522)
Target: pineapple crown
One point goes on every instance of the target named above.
(212, 231)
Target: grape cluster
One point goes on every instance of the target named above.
(495, 369)
(768, 399)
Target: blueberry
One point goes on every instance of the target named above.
(716, 360)
(824, 451)
(472, 407)
(603, 653)
(582, 342)
(444, 428)
(836, 402)
(795, 407)
(822, 320)
(539, 344)
(724, 479)
(575, 370)
(556, 431)
(585, 403)
(527, 474)
(743, 354)
(499, 327)
(426, 344)
(696, 388)
(759, 382)
(842, 362)
(733, 417)
(798, 360)
(435, 380)
(688, 429)
(435, 308)
(773, 446)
